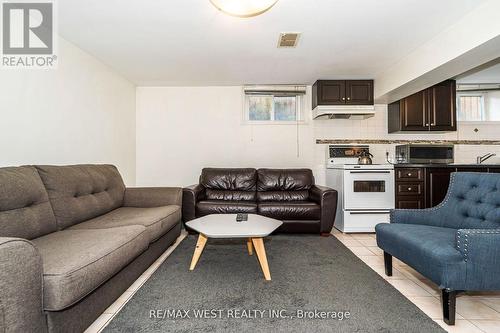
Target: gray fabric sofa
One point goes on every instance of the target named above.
(72, 240)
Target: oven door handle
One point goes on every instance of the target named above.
(369, 213)
(369, 172)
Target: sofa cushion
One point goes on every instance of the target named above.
(208, 207)
(430, 250)
(229, 184)
(81, 192)
(157, 220)
(284, 184)
(290, 210)
(76, 262)
(25, 211)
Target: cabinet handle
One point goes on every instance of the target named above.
(343, 98)
(348, 98)
(409, 174)
(427, 124)
(409, 188)
(433, 124)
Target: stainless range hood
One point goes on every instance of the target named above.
(343, 111)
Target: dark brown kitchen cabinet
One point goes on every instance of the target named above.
(432, 109)
(442, 108)
(342, 92)
(437, 182)
(410, 188)
(359, 92)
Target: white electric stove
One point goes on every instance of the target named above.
(365, 192)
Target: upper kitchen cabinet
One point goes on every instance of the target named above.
(443, 106)
(432, 109)
(342, 92)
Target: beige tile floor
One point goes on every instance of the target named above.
(476, 313)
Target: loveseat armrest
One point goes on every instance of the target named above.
(190, 196)
(327, 198)
(21, 298)
(480, 250)
(427, 216)
(147, 197)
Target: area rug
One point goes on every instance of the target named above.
(317, 285)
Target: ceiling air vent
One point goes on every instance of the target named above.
(288, 39)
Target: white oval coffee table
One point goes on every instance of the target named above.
(225, 226)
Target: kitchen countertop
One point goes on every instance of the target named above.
(452, 165)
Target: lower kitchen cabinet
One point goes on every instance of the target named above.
(417, 202)
(437, 182)
(425, 187)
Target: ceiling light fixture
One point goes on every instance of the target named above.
(243, 8)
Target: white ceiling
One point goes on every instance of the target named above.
(189, 42)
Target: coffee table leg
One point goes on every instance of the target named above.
(250, 246)
(200, 245)
(258, 244)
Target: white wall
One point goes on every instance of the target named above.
(180, 130)
(81, 112)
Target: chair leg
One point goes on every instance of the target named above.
(388, 264)
(449, 301)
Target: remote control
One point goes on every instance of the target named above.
(241, 217)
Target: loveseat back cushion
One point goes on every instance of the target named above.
(472, 201)
(81, 192)
(284, 184)
(229, 184)
(25, 210)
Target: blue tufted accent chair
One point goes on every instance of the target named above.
(455, 244)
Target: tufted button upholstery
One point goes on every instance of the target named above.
(25, 210)
(473, 201)
(82, 192)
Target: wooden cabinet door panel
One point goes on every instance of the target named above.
(437, 182)
(414, 112)
(359, 92)
(417, 202)
(410, 189)
(494, 170)
(442, 112)
(331, 92)
(410, 174)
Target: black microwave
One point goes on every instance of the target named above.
(424, 153)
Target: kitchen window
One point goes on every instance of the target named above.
(471, 107)
(274, 104)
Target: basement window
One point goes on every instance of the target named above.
(471, 107)
(274, 104)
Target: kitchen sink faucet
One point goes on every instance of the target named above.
(481, 159)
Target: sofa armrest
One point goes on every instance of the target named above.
(21, 298)
(428, 216)
(190, 196)
(327, 198)
(147, 197)
(480, 250)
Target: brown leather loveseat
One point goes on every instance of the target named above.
(288, 195)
